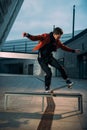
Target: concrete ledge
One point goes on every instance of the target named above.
(41, 94)
(17, 55)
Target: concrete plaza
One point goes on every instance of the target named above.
(25, 112)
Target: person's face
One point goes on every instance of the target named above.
(57, 36)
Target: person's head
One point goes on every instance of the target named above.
(57, 32)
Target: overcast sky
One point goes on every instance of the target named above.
(39, 16)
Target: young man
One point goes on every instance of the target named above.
(49, 43)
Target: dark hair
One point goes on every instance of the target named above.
(58, 30)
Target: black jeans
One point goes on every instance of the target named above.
(45, 62)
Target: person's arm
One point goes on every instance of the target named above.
(66, 48)
(32, 37)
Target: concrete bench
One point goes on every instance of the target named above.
(41, 94)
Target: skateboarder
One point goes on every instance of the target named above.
(48, 43)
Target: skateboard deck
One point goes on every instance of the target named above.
(53, 93)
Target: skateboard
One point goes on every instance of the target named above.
(52, 91)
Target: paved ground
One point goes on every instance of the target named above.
(25, 113)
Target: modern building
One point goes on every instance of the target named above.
(8, 12)
(75, 64)
(26, 45)
(21, 46)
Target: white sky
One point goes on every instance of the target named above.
(39, 16)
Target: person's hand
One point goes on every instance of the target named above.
(77, 51)
(24, 34)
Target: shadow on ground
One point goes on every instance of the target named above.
(13, 119)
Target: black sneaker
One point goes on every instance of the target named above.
(69, 83)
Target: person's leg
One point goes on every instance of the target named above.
(55, 63)
(48, 72)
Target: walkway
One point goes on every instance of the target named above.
(25, 113)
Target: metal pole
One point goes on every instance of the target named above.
(73, 27)
(42, 103)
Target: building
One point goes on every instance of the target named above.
(75, 64)
(26, 46)
(8, 12)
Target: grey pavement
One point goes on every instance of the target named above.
(24, 112)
